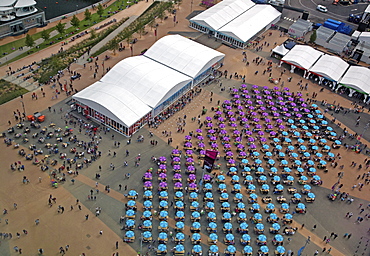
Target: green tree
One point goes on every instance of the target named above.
(87, 14)
(29, 41)
(100, 10)
(92, 33)
(45, 35)
(75, 22)
(152, 24)
(313, 36)
(60, 28)
(161, 15)
(113, 45)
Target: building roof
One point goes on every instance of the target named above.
(222, 13)
(248, 24)
(281, 50)
(24, 3)
(340, 40)
(300, 25)
(303, 56)
(7, 2)
(324, 33)
(183, 55)
(331, 67)
(357, 78)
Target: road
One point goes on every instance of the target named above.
(337, 12)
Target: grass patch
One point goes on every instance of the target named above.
(9, 91)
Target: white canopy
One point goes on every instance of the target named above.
(281, 50)
(248, 24)
(183, 55)
(303, 56)
(357, 78)
(24, 3)
(331, 67)
(7, 2)
(222, 13)
(146, 79)
(114, 102)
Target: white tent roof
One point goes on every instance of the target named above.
(248, 24)
(114, 102)
(222, 13)
(183, 55)
(303, 56)
(281, 50)
(7, 2)
(24, 3)
(331, 67)
(357, 78)
(146, 79)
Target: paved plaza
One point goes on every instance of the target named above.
(75, 222)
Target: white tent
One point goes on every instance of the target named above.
(250, 23)
(7, 2)
(303, 56)
(183, 55)
(116, 102)
(281, 50)
(331, 67)
(24, 3)
(222, 13)
(146, 79)
(357, 78)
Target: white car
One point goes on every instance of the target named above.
(322, 8)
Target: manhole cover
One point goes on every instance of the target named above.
(88, 235)
(88, 247)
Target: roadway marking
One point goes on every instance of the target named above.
(353, 10)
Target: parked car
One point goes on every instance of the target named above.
(321, 8)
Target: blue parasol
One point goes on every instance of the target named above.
(248, 249)
(163, 214)
(256, 206)
(295, 155)
(251, 187)
(265, 146)
(310, 162)
(221, 177)
(258, 161)
(179, 194)
(147, 214)
(257, 216)
(284, 206)
(228, 225)
(147, 234)
(243, 225)
(162, 247)
(297, 195)
(265, 187)
(209, 195)
(195, 204)
(193, 195)
(179, 247)
(304, 127)
(147, 223)
(163, 203)
(312, 141)
(162, 235)
(180, 224)
(247, 169)
(287, 169)
(222, 186)
(288, 216)
(276, 178)
(208, 186)
(276, 226)
(284, 162)
(246, 237)
(241, 205)
(249, 178)
(331, 154)
(264, 249)
(271, 162)
(279, 238)
(304, 178)
(211, 215)
(307, 187)
(262, 238)
(262, 178)
(130, 213)
(164, 194)
(163, 224)
(312, 169)
(213, 248)
(255, 153)
(212, 225)
(180, 236)
(242, 215)
(130, 223)
(197, 248)
(270, 206)
(196, 225)
(231, 248)
(229, 237)
(233, 169)
(210, 205)
(237, 186)
(148, 193)
(333, 134)
(130, 234)
(289, 141)
(311, 195)
(273, 170)
(227, 215)
(269, 154)
(132, 193)
(225, 204)
(301, 206)
(235, 178)
(147, 203)
(260, 226)
(213, 236)
(180, 214)
(131, 203)
(316, 177)
(300, 140)
(280, 249)
(322, 162)
(245, 161)
(290, 178)
(224, 195)
(279, 147)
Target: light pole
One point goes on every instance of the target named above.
(191, 6)
(24, 109)
(76, 8)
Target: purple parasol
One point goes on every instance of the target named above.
(208, 118)
(162, 175)
(234, 125)
(258, 126)
(242, 153)
(222, 125)
(232, 119)
(261, 133)
(282, 127)
(191, 168)
(202, 152)
(192, 177)
(223, 132)
(147, 184)
(263, 139)
(162, 158)
(227, 145)
(190, 160)
(175, 151)
(236, 132)
(231, 161)
(177, 167)
(214, 145)
(201, 145)
(188, 137)
(177, 176)
(229, 153)
(178, 185)
(272, 133)
(199, 130)
(236, 96)
(206, 177)
(200, 137)
(254, 86)
(147, 175)
(252, 146)
(238, 139)
(162, 167)
(256, 120)
(240, 146)
(210, 124)
(189, 152)
(211, 131)
(176, 159)
(213, 138)
(192, 185)
(251, 139)
(188, 144)
(163, 184)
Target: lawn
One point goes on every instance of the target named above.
(9, 91)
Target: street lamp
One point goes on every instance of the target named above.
(76, 8)
(24, 109)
